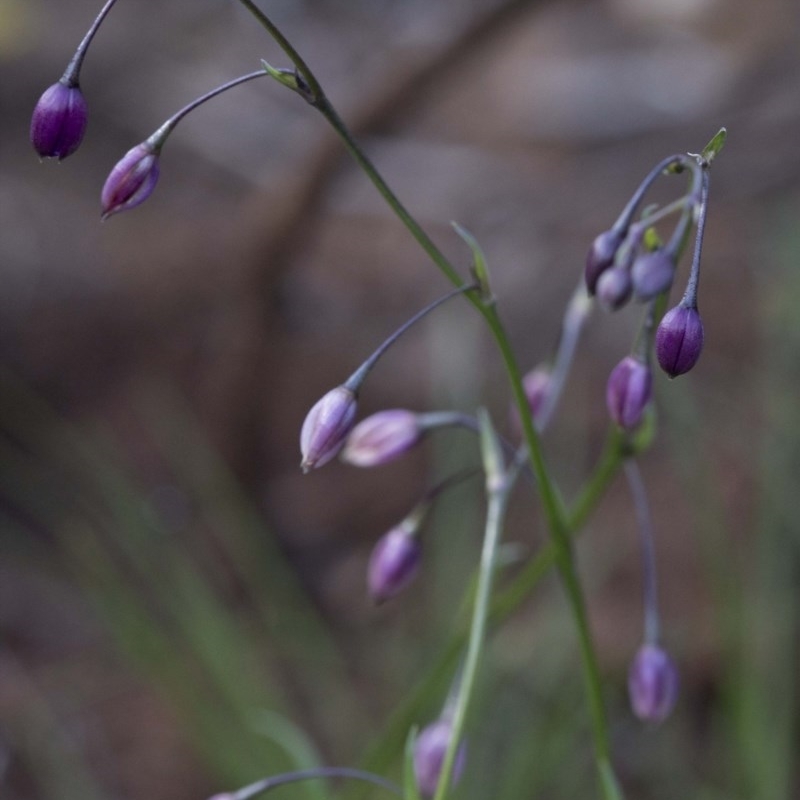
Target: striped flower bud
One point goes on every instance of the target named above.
(628, 392)
(132, 180)
(429, 752)
(679, 340)
(382, 438)
(394, 563)
(59, 121)
(326, 427)
(653, 684)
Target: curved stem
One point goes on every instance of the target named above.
(265, 785)
(156, 139)
(353, 383)
(71, 75)
(497, 496)
(624, 220)
(690, 296)
(578, 310)
(645, 525)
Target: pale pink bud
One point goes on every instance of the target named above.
(326, 427)
(394, 563)
(382, 438)
(628, 392)
(131, 181)
(653, 683)
(429, 752)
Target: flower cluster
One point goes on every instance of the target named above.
(631, 262)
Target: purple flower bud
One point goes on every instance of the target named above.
(614, 288)
(58, 121)
(652, 684)
(628, 392)
(326, 427)
(382, 438)
(537, 384)
(679, 340)
(131, 181)
(394, 563)
(429, 752)
(652, 274)
(601, 256)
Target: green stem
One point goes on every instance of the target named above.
(554, 513)
(498, 492)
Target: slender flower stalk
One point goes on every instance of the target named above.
(71, 75)
(576, 316)
(319, 773)
(646, 541)
(357, 378)
(497, 489)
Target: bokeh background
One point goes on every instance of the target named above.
(181, 611)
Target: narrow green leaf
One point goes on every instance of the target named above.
(712, 149)
(409, 779)
(479, 268)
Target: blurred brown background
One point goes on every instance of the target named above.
(264, 268)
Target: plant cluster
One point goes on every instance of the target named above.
(632, 263)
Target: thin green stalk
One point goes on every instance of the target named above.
(554, 513)
(498, 489)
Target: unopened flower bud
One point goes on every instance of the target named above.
(382, 438)
(538, 384)
(429, 752)
(652, 274)
(614, 288)
(628, 392)
(652, 683)
(679, 340)
(394, 563)
(58, 121)
(132, 180)
(326, 427)
(601, 256)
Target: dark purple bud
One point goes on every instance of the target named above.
(628, 392)
(326, 427)
(601, 256)
(131, 181)
(679, 340)
(429, 752)
(614, 288)
(652, 684)
(394, 563)
(59, 121)
(652, 274)
(382, 438)
(538, 384)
